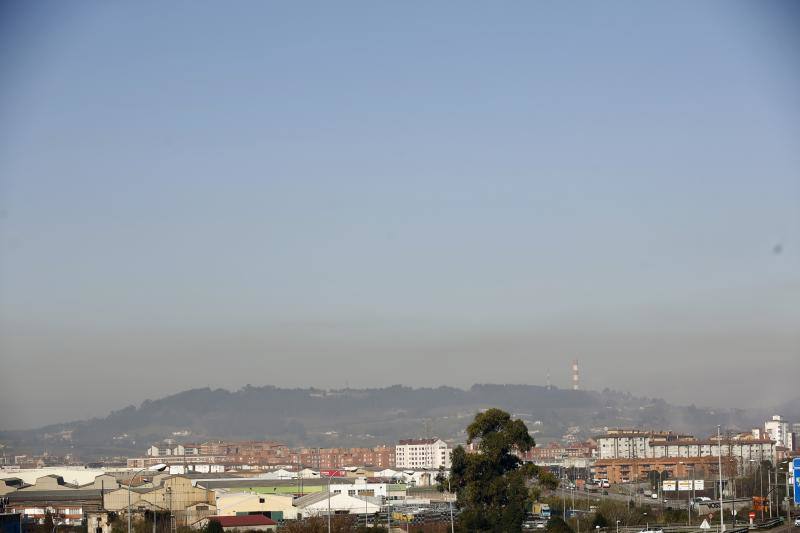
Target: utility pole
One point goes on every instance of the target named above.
(452, 524)
(788, 501)
(329, 500)
(719, 461)
(388, 512)
(761, 482)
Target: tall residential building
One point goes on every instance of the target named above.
(428, 454)
(778, 430)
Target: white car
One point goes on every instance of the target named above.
(652, 531)
(797, 522)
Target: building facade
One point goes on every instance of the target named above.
(422, 454)
(744, 450)
(268, 454)
(626, 470)
(555, 451)
(631, 444)
(779, 430)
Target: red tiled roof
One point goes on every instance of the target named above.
(243, 520)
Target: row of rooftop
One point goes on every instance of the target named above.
(191, 500)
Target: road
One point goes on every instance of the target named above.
(641, 499)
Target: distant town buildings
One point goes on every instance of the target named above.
(422, 453)
(217, 455)
(216, 479)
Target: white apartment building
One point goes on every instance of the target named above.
(631, 444)
(418, 454)
(778, 430)
(163, 451)
(744, 450)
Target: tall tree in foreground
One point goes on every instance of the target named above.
(491, 485)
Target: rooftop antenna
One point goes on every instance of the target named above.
(575, 381)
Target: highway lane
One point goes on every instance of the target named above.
(639, 499)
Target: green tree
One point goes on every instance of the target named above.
(557, 525)
(599, 521)
(491, 485)
(653, 478)
(213, 526)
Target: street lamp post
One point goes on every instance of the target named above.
(660, 489)
(788, 500)
(719, 461)
(329, 501)
(786, 496)
(761, 486)
(154, 468)
(452, 525)
(169, 507)
(691, 494)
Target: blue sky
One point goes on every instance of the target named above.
(378, 193)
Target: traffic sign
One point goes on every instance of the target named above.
(796, 468)
(705, 525)
(751, 514)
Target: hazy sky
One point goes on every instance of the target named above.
(370, 193)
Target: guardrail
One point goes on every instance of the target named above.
(714, 528)
(768, 524)
(666, 529)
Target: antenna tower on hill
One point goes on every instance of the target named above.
(575, 378)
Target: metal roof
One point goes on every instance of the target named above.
(256, 482)
(310, 499)
(54, 495)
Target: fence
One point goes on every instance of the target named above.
(679, 529)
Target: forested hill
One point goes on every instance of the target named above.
(347, 417)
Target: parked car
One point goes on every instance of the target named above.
(797, 522)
